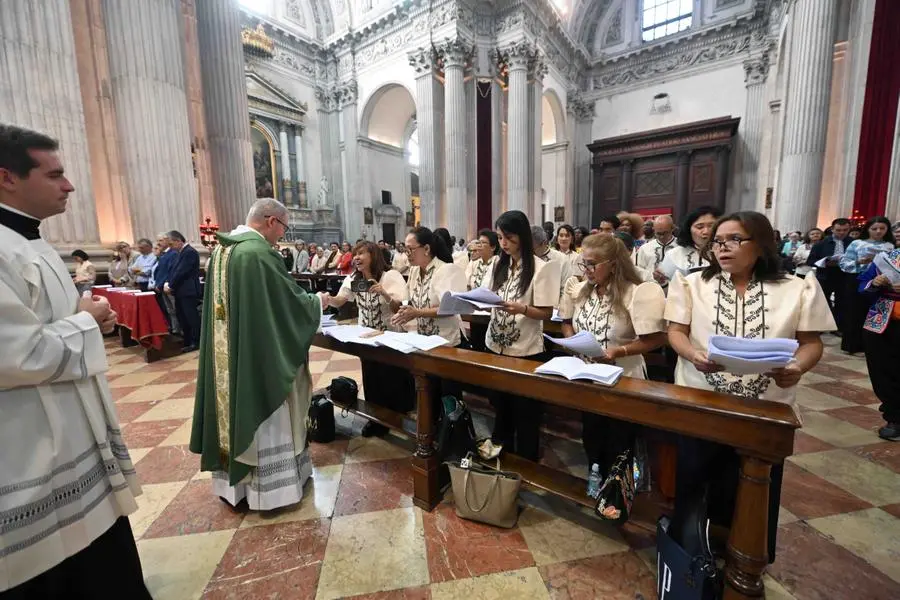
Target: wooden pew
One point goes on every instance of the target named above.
(761, 431)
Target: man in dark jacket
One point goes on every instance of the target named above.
(830, 276)
(167, 256)
(184, 284)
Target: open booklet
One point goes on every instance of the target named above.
(583, 343)
(742, 356)
(401, 342)
(571, 368)
(466, 303)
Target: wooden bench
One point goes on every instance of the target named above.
(762, 432)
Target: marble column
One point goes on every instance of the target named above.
(356, 195)
(806, 122)
(755, 72)
(227, 112)
(39, 90)
(498, 172)
(892, 206)
(301, 193)
(518, 58)
(148, 88)
(429, 109)
(456, 53)
(581, 112)
(285, 154)
(325, 102)
(538, 72)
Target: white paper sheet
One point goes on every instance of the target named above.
(571, 368)
(556, 318)
(328, 321)
(821, 263)
(345, 333)
(582, 342)
(742, 356)
(886, 268)
(416, 341)
(456, 304)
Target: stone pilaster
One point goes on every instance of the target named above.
(456, 54)
(519, 59)
(538, 72)
(225, 101)
(325, 104)
(892, 206)
(39, 89)
(302, 197)
(147, 81)
(285, 156)
(357, 196)
(498, 139)
(806, 122)
(581, 112)
(755, 72)
(429, 117)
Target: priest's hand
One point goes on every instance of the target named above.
(324, 298)
(98, 307)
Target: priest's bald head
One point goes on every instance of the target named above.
(32, 179)
(269, 217)
(663, 226)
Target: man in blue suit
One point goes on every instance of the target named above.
(167, 256)
(183, 283)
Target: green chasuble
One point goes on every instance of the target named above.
(258, 325)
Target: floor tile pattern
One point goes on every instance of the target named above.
(357, 535)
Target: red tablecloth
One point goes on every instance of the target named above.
(140, 313)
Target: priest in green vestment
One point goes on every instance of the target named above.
(253, 385)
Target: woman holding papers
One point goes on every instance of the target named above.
(625, 315)
(812, 237)
(880, 283)
(687, 255)
(374, 288)
(530, 290)
(742, 293)
(483, 258)
(876, 237)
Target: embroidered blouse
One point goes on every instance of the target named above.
(400, 263)
(767, 310)
(651, 254)
(684, 259)
(477, 270)
(375, 309)
(644, 303)
(885, 301)
(858, 249)
(518, 335)
(426, 292)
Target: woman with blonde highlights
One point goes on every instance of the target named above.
(624, 313)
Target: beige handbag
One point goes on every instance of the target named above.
(485, 495)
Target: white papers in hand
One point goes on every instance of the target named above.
(328, 321)
(556, 318)
(742, 356)
(466, 303)
(575, 368)
(583, 343)
(822, 263)
(886, 268)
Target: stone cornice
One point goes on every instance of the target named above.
(703, 49)
(576, 105)
(367, 142)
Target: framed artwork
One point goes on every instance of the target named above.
(559, 214)
(410, 219)
(368, 216)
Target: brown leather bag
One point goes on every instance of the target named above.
(485, 495)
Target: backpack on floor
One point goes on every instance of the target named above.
(320, 420)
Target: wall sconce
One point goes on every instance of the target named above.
(660, 104)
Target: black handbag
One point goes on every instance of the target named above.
(344, 392)
(456, 432)
(320, 420)
(686, 567)
(617, 492)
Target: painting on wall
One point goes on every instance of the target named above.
(263, 161)
(559, 214)
(368, 216)
(410, 219)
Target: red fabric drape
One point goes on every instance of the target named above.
(879, 112)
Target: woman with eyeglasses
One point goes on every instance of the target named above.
(687, 255)
(483, 258)
(530, 290)
(374, 287)
(624, 313)
(742, 293)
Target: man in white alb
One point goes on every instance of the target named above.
(66, 480)
(651, 254)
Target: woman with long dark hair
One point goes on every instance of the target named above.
(530, 290)
(373, 286)
(742, 293)
(687, 255)
(875, 237)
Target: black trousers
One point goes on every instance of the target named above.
(387, 386)
(882, 350)
(518, 421)
(605, 439)
(189, 318)
(714, 468)
(142, 285)
(109, 568)
(855, 308)
(832, 283)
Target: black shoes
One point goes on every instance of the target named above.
(890, 432)
(187, 349)
(373, 429)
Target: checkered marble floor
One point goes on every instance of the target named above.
(357, 535)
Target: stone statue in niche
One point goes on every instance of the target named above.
(323, 192)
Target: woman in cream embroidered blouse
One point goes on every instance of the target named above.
(743, 293)
(875, 237)
(431, 274)
(385, 385)
(687, 255)
(484, 257)
(530, 290)
(624, 313)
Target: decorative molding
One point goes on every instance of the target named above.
(423, 61)
(756, 69)
(455, 53)
(577, 106)
(273, 102)
(518, 56)
(614, 30)
(294, 12)
(712, 133)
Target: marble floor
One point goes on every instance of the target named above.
(357, 535)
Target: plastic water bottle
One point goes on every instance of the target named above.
(594, 481)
